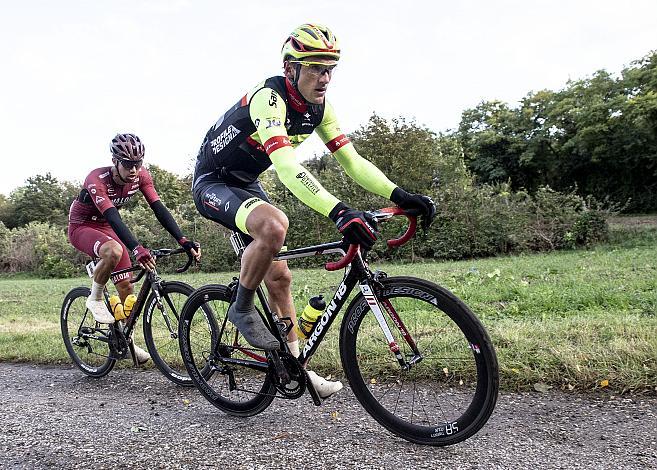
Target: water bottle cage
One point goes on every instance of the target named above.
(284, 325)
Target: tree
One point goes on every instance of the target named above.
(597, 134)
(43, 199)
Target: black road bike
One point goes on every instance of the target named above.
(416, 358)
(95, 347)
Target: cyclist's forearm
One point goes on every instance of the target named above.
(302, 184)
(364, 172)
(165, 218)
(122, 231)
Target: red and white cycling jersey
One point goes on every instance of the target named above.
(100, 192)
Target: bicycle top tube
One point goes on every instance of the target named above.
(347, 251)
(159, 253)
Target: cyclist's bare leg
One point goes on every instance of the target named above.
(267, 226)
(110, 254)
(124, 288)
(278, 281)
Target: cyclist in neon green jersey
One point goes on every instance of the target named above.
(260, 130)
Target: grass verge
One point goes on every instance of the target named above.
(581, 319)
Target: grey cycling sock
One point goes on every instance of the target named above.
(245, 317)
(244, 300)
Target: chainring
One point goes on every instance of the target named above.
(297, 384)
(118, 345)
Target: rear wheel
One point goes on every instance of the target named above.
(449, 389)
(161, 330)
(207, 340)
(83, 336)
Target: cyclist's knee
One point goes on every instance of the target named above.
(271, 232)
(111, 252)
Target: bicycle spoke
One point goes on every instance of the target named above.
(215, 345)
(433, 393)
(78, 327)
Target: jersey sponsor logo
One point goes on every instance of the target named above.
(96, 246)
(251, 202)
(275, 143)
(308, 182)
(307, 122)
(227, 206)
(92, 191)
(99, 199)
(119, 201)
(337, 143)
(223, 139)
(133, 191)
(273, 99)
(212, 200)
(104, 175)
(273, 122)
(120, 277)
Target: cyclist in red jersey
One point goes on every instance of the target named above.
(96, 228)
(260, 130)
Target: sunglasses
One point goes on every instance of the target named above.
(130, 164)
(316, 69)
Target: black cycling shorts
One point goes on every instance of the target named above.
(227, 204)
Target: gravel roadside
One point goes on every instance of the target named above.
(57, 417)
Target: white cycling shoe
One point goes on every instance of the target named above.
(141, 355)
(99, 310)
(325, 388)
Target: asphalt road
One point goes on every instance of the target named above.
(56, 417)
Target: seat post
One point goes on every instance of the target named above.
(237, 242)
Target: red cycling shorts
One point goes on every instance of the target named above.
(88, 238)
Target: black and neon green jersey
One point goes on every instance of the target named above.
(264, 127)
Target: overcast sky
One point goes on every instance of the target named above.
(74, 73)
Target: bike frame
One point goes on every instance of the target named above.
(356, 273)
(151, 283)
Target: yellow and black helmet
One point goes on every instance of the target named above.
(310, 40)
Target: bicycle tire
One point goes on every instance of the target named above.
(89, 355)
(207, 307)
(466, 379)
(162, 338)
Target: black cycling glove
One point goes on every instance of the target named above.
(188, 245)
(356, 226)
(415, 204)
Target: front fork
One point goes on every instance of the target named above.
(375, 305)
(159, 303)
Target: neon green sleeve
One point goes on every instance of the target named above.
(362, 171)
(267, 111)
